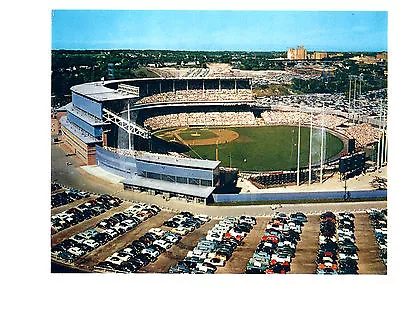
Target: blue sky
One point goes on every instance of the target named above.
(220, 30)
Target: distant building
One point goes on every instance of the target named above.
(319, 55)
(365, 59)
(382, 56)
(297, 54)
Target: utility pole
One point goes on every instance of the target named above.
(379, 140)
(298, 152)
(348, 109)
(383, 141)
(129, 120)
(310, 152)
(322, 142)
(354, 99)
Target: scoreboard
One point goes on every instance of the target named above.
(352, 162)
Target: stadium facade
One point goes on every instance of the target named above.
(110, 113)
(105, 125)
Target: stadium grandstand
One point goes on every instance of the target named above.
(111, 124)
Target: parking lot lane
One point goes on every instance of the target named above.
(369, 261)
(87, 224)
(241, 256)
(178, 252)
(120, 242)
(306, 250)
(65, 207)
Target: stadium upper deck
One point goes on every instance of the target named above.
(108, 90)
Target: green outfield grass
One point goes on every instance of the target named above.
(192, 133)
(269, 148)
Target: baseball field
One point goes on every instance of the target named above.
(255, 148)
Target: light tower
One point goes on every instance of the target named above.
(322, 141)
(310, 152)
(298, 151)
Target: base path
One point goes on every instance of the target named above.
(223, 136)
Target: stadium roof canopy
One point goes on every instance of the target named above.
(103, 90)
(173, 187)
(98, 92)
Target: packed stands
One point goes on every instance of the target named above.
(292, 118)
(364, 134)
(201, 119)
(195, 95)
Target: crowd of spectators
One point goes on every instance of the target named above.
(196, 95)
(292, 118)
(367, 104)
(134, 153)
(201, 119)
(363, 133)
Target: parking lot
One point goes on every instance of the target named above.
(101, 253)
(303, 263)
(178, 251)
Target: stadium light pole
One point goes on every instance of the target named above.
(310, 153)
(129, 120)
(379, 139)
(386, 139)
(361, 78)
(386, 147)
(348, 110)
(354, 99)
(298, 151)
(322, 141)
(383, 141)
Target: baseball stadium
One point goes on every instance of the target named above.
(191, 137)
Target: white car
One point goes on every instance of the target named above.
(76, 251)
(204, 268)
(226, 223)
(129, 251)
(157, 231)
(382, 230)
(231, 219)
(91, 243)
(197, 253)
(202, 218)
(115, 260)
(219, 229)
(214, 237)
(345, 232)
(287, 243)
(162, 243)
(111, 232)
(180, 230)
